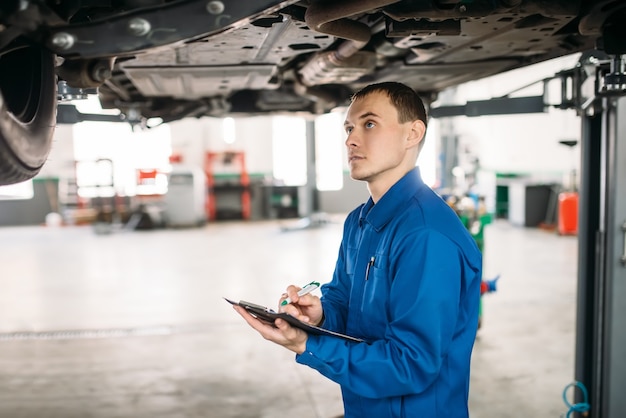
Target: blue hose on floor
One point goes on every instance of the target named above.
(577, 407)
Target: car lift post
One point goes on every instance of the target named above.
(601, 305)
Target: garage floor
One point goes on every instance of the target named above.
(133, 324)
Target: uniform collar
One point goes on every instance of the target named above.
(379, 214)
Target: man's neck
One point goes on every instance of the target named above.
(378, 187)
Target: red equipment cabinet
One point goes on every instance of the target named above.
(568, 213)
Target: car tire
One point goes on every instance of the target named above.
(28, 105)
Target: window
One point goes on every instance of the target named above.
(228, 126)
(289, 150)
(427, 159)
(23, 190)
(329, 151)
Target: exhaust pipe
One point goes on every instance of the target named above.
(331, 19)
(348, 62)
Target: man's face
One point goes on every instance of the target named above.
(377, 143)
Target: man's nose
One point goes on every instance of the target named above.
(352, 140)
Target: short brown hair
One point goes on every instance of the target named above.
(407, 102)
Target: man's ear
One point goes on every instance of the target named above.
(416, 134)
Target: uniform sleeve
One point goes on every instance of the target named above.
(423, 315)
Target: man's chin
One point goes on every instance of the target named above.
(355, 175)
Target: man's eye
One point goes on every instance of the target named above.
(348, 130)
(369, 125)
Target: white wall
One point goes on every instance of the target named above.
(527, 143)
(192, 138)
(254, 135)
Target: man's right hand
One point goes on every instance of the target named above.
(307, 308)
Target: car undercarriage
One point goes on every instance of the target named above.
(189, 58)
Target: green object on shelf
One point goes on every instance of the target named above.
(476, 227)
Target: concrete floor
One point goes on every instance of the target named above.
(133, 324)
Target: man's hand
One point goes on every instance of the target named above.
(307, 308)
(289, 337)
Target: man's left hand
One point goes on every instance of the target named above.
(283, 334)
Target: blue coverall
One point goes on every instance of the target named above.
(407, 280)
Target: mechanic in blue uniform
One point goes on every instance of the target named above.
(407, 278)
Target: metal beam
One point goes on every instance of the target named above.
(497, 106)
(68, 114)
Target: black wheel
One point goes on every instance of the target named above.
(28, 106)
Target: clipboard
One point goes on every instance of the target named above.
(268, 316)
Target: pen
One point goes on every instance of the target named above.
(369, 266)
(306, 289)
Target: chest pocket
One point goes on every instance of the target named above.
(375, 301)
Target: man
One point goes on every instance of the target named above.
(407, 278)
